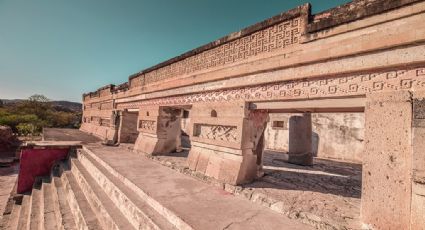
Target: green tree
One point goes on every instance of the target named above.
(38, 98)
(30, 116)
(26, 129)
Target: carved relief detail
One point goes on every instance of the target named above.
(216, 132)
(267, 40)
(147, 125)
(104, 122)
(350, 85)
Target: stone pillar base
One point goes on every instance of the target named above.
(304, 159)
(224, 164)
(152, 145)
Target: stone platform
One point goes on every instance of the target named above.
(200, 205)
(326, 195)
(103, 187)
(56, 134)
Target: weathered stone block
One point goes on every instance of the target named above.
(386, 189)
(418, 206)
(203, 162)
(229, 171)
(192, 159)
(214, 166)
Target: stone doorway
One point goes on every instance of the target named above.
(127, 131)
(178, 157)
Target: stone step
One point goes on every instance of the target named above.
(108, 214)
(135, 207)
(83, 214)
(37, 209)
(68, 222)
(24, 215)
(51, 220)
(12, 221)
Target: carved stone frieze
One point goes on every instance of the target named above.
(342, 86)
(216, 132)
(267, 40)
(147, 125)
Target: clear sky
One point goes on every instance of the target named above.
(62, 48)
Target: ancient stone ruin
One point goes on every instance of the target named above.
(7, 139)
(316, 119)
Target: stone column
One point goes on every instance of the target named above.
(387, 161)
(300, 140)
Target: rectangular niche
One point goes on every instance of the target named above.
(279, 124)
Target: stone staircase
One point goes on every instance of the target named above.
(82, 193)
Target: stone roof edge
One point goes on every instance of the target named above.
(352, 11)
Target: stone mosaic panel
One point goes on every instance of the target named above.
(147, 125)
(216, 132)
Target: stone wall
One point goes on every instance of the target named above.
(335, 135)
(331, 62)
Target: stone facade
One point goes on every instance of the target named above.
(365, 56)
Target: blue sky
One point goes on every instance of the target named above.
(63, 48)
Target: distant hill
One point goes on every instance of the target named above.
(74, 106)
(10, 101)
(66, 105)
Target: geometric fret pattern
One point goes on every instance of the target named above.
(350, 85)
(270, 39)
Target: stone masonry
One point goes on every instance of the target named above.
(366, 56)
